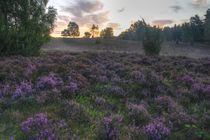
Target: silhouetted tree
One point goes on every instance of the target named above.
(207, 26)
(24, 26)
(152, 40)
(197, 26)
(186, 33)
(87, 35)
(107, 33)
(72, 30)
(94, 31)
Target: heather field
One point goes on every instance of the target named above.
(70, 96)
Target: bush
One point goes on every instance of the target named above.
(152, 41)
(98, 41)
(138, 114)
(23, 32)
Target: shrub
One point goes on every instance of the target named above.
(38, 127)
(98, 41)
(110, 128)
(73, 111)
(23, 89)
(138, 114)
(152, 41)
(156, 130)
(50, 81)
(166, 103)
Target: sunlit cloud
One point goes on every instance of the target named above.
(162, 23)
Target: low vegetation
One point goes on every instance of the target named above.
(104, 96)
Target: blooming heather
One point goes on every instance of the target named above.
(23, 89)
(156, 130)
(166, 103)
(138, 114)
(187, 79)
(72, 87)
(111, 127)
(38, 127)
(49, 82)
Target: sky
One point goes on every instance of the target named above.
(120, 14)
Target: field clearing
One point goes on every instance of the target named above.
(104, 96)
(120, 46)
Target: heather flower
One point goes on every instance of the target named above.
(139, 76)
(156, 130)
(110, 128)
(138, 114)
(23, 89)
(187, 79)
(72, 87)
(166, 103)
(49, 82)
(38, 127)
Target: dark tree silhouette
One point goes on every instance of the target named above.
(87, 35)
(107, 33)
(94, 31)
(207, 26)
(72, 30)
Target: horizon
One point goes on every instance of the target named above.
(120, 14)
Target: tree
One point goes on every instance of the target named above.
(152, 40)
(24, 26)
(186, 33)
(94, 31)
(197, 26)
(87, 35)
(107, 33)
(72, 30)
(207, 26)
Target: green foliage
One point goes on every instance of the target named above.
(207, 26)
(72, 30)
(196, 30)
(152, 41)
(24, 26)
(107, 33)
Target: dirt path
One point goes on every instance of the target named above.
(196, 51)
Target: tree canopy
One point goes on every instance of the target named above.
(107, 33)
(24, 26)
(196, 30)
(94, 30)
(72, 30)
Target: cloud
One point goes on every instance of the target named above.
(176, 8)
(162, 23)
(63, 18)
(199, 4)
(88, 20)
(115, 26)
(82, 7)
(121, 10)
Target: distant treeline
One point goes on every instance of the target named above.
(196, 30)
